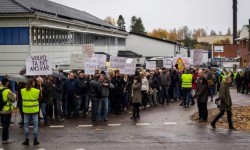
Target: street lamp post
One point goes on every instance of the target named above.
(219, 60)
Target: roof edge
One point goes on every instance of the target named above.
(21, 5)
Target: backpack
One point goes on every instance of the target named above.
(2, 103)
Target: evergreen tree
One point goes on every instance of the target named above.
(121, 23)
(137, 25)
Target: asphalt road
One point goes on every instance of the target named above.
(163, 127)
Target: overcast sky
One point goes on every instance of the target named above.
(168, 14)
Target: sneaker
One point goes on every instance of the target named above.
(7, 142)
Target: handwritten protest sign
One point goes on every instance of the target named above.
(91, 64)
(77, 61)
(129, 69)
(167, 62)
(101, 60)
(117, 62)
(198, 57)
(88, 49)
(38, 65)
(151, 65)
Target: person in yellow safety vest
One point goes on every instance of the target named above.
(8, 97)
(30, 103)
(186, 85)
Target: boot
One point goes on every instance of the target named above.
(213, 125)
(26, 142)
(232, 128)
(36, 142)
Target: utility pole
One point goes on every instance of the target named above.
(235, 9)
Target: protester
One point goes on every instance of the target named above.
(186, 84)
(8, 97)
(144, 89)
(226, 103)
(136, 98)
(30, 99)
(202, 96)
(104, 100)
(209, 77)
(57, 89)
(165, 81)
(154, 85)
(95, 96)
(83, 104)
(71, 89)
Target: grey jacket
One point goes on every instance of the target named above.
(165, 79)
(105, 89)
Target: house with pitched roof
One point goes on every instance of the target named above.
(44, 27)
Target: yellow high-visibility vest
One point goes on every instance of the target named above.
(30, 100)
(186, 80)
(8, 107)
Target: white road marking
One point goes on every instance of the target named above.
(170, 123)
(80, 149)
(41, 149)
(1, 149)
(58, 126)
(1, 128)
(142, 124)
(84, 126)
(114, 125)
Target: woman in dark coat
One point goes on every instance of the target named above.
(226, 103)
(136, 97)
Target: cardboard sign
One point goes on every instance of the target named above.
(91, 64)
(77, 61)
(129, 69)
(101, 60)
(88, 49)
(151, 65)
(38, 65)
(198, 57)
(167, 62)
(219, 49)
(118, 62)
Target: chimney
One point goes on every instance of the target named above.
(235, 9)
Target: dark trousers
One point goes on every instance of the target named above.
(164, 94)
(57, 109)
(94, 108)
(238, 88)
(5, 120)
(20, 106)
(229, 117)
(50, 111)
(116, 103)
(136, 110)
(186, 96)
(144, 98)
(70, 105)
(203, 113)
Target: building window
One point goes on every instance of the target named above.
(14, 36)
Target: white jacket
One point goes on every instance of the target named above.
(145, 85)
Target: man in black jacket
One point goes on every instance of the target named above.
(95, 95)
(116, 99)
(83, 100)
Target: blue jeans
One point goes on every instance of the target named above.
(27, 119)
(44, 111)
(186, 96)
(177, 91)
(83, 103)
(210, 90)
(103, 108)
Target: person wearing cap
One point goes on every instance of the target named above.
(8, 98)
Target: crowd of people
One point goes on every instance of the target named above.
(102, 94)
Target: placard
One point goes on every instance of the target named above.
(129, 69)
(38, 65)
(91, 64)
(77, 61)
(151, 65)
(88, 49)
(167, 62)
(101, 60)
(117, 62)
(198, 57)
(219, 49)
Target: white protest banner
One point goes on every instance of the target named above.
(101, 60)
(38, 65)
(88, 49)
(198, 57)
(167, 62)
(91, 64)
(129, 69)
(151, 65)
(186, 61)
(117, 62)
(77, 61)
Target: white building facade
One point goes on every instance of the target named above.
(34, 27)
(151, 47)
